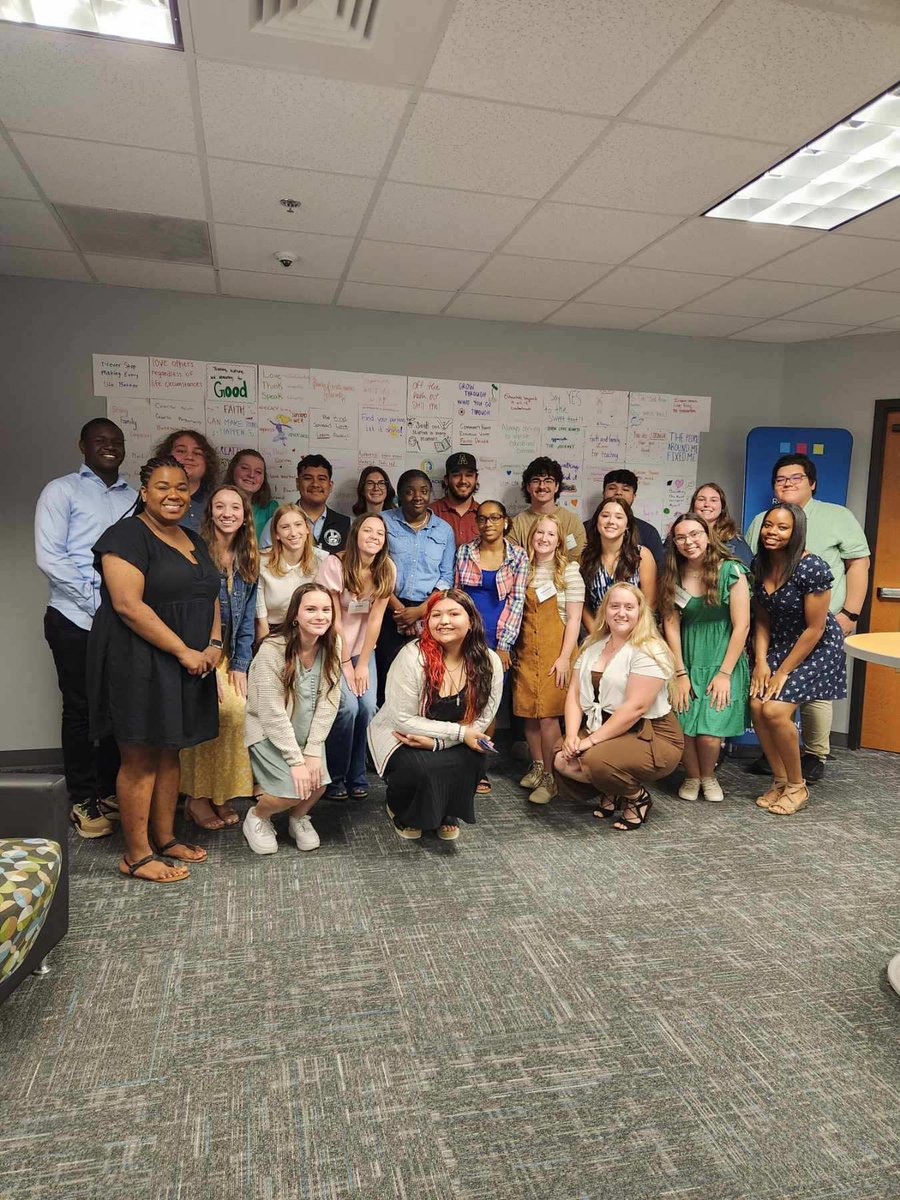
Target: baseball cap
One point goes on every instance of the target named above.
(461, 462)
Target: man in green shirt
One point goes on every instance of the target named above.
(834, 534)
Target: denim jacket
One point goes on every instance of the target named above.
(240, 603)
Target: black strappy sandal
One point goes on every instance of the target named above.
(641, 805)
(187, 845)
(133, 868)
(603, 811)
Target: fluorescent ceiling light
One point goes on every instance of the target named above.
(137, 20)
(843, 173)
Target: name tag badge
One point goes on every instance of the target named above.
(570, 541)
(682, 597)
(545, 592)
(358, 606)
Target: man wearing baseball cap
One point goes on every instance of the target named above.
(458, 506)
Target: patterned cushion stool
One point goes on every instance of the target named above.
(30, 869)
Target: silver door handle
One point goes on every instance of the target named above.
(889, 593)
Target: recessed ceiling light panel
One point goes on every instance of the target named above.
(153, 21)
(841, 174)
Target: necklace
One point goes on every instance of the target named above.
(456, 683)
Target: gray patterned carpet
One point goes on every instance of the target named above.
(544, 1010)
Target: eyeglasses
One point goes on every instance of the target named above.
(682, 539)
(542, 480)
(491, 519)
(379, 484)
(783, 479)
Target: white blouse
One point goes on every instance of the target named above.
(630, 660)
(274, 592)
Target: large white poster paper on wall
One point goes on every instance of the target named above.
(174, 378)
(121, 375)
(135, 418)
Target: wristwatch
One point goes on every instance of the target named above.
(217, 642)
(851, 616)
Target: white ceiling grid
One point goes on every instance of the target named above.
(545, 161)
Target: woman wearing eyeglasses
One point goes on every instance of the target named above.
(704, 599)
(374, 492)
(494, 574)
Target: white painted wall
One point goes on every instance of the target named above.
(50, 329)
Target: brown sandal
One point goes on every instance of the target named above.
(793, 798)
(211, 824)
(167, 850)
(131, 870)
(773, 795)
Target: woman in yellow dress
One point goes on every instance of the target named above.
(214, 773)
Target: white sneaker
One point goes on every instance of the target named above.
(301, 830)
(712, 789)
(260, 833)
(533, 776)
(690, 789)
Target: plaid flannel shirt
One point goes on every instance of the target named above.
(512, 580)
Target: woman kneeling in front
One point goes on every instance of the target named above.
(620, 729)
(428, 740)
(293, 690)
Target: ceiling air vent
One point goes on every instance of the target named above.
(337, 22)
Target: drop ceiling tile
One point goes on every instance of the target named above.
(697, 324)
(456, 142)
(142, 273)
(500, 308)
(884, 283)
(665, 170)
(14, 183)
(790, 331)
(893, 323)
(603, 316)
(87, 87)
(587, 55)
(297, 121)
(854, 306)
(757, 298)
(883, 222)
(259, 286)
(721, 247)
(393, 299)
(641, 287)
(837, 261)
(249, 194)
(431, 216)
(540, 278)
(599, 235)
(413, 266)
(249, 249)
(41, 264)
(751, 72)
(101, 175)
(30, 223)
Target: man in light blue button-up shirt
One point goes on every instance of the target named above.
(72, 512)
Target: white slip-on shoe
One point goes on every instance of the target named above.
(260, 833)
(301, 830)
(690, 789)
(712, 789)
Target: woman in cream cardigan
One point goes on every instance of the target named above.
(428, 740)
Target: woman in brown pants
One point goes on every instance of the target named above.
(621, 732)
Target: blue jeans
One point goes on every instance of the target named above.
(345, 746)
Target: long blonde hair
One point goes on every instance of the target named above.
(560, 558)
(670, 576)
(645, 634)
(275, 555)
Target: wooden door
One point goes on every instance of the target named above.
(881, 698)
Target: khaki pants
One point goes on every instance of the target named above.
(815, 721)
(649, 751)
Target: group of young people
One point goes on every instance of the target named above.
(212, 642)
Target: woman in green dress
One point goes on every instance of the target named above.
(704, 600)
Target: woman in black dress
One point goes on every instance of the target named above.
(428, 740)
(152, 654)
(798, 645)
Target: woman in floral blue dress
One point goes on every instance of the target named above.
(799, 649)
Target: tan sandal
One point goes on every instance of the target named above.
(773, 795)
(793, 798)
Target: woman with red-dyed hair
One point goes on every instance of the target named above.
(428, 740)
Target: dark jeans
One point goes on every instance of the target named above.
(390, 643)
(90, 770)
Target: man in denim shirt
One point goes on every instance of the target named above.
(424, 550)
(72, 512)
